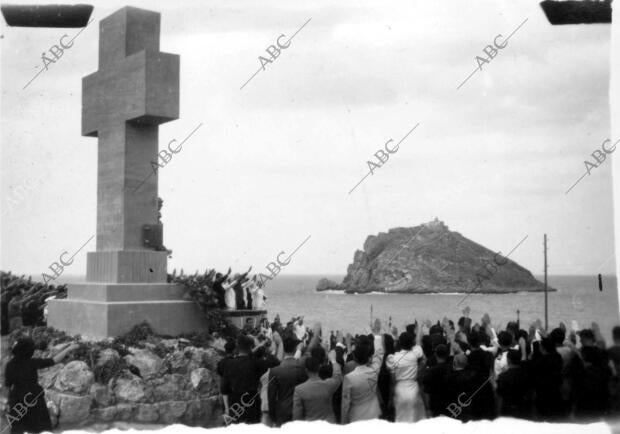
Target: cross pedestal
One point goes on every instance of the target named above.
(135, 89)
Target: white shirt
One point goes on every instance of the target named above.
(404, 364)
(231, 300)
(501, 362)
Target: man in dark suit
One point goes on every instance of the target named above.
(434, 382)
(240, 383)
(312, 399)
(282, 382)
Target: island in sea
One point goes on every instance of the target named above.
(430, 258)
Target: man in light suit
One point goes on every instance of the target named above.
(312, 399)
(360, 399)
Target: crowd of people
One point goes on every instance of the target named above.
(23, 301)
(279, 373)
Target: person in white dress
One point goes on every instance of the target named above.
(259, 298)
(403, 365)
(229, 295)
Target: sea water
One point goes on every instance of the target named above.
(577, 298)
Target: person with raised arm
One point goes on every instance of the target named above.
(359, 389)
(218, 288)
(230, 296)
(405, 366)
(592, 376)
(21, 378)
(284, 378)
(241, 381)
(312, 400)
(480, 362)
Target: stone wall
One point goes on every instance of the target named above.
(181, 386)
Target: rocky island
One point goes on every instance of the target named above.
(430, 258)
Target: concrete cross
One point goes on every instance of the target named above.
(135, 89)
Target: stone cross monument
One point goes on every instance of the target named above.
(135, 89)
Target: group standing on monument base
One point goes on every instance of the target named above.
(239, 292)
(281, 373)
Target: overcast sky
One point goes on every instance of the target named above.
(273, 163)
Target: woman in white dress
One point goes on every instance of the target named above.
(404, 367)
(259, 298)
(229, 295)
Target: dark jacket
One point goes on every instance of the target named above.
(21, 378)
(514, 388)
(483, 404)
(240, 381)
(435, 384)
(282, 382)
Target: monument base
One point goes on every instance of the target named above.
(242, 318)
(102, 310)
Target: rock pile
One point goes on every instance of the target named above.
(179, 384)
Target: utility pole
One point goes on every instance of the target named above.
(546, 307)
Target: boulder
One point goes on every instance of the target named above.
(147, 413)
(146, 361)
(74, 377)
(105, 414)
(171, 411)
(101, 395)
(53, 411)
(186, 360)
(195, 413)
(178, 361)
(170, 387)
(125, 411)
(52, 396)
(170, 343)
(213, 411)
(206, 358)
(129, 388)
(204, 382)
(107, 355)
(204, 412)
(47, 376)
(73, 408)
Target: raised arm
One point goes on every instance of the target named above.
(334, 382)
(377, 357)
(316, 336)
(63, 353)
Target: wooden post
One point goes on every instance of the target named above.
(546, 307)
